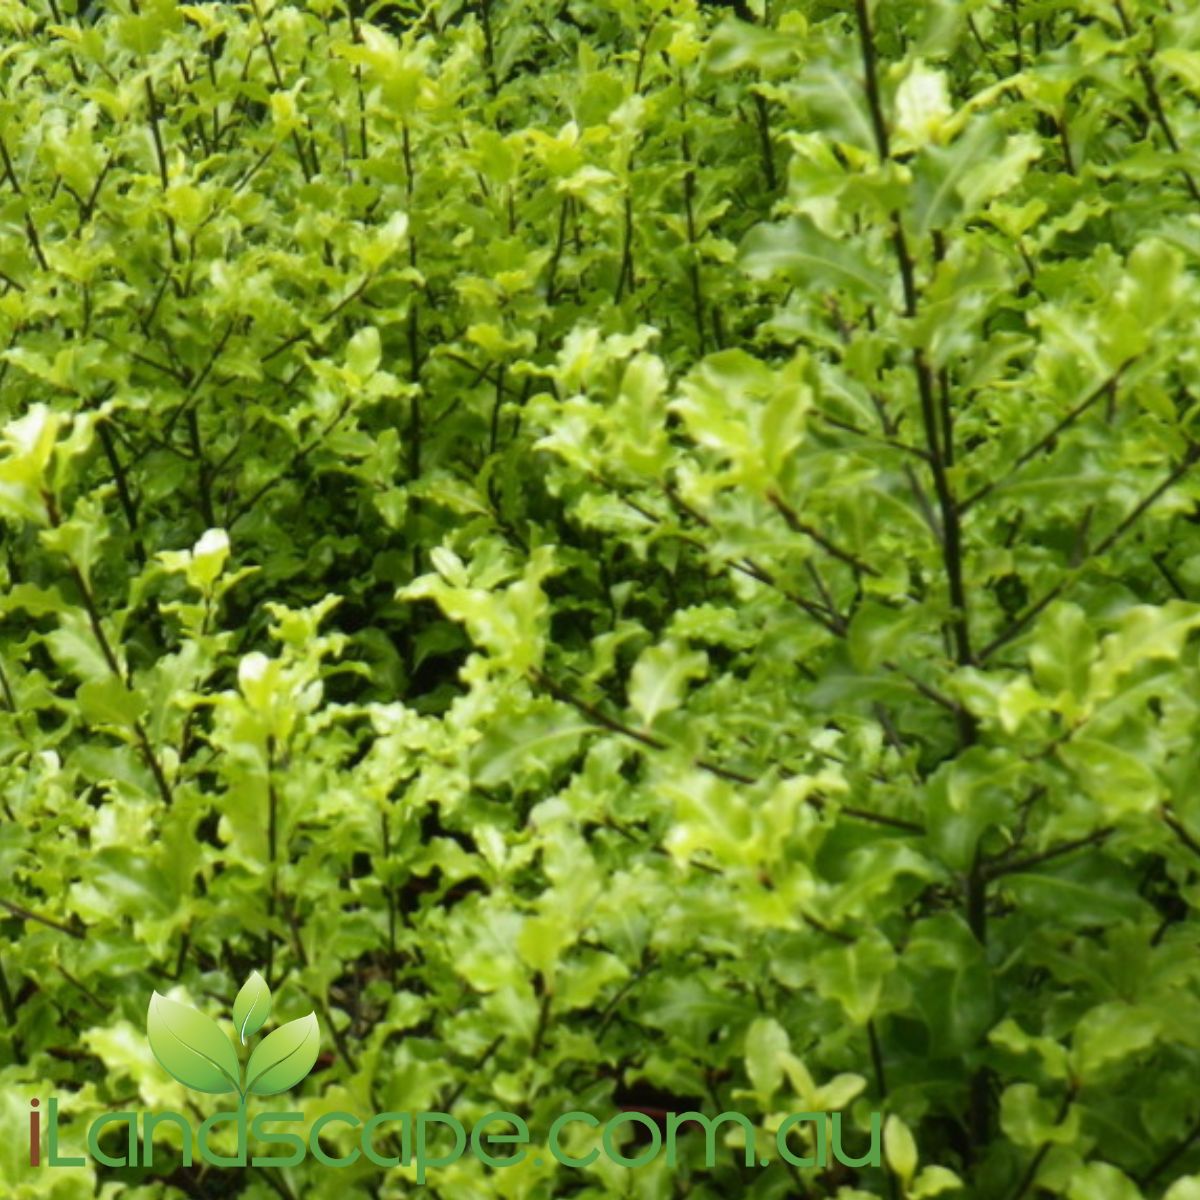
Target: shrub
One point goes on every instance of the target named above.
(630, 555)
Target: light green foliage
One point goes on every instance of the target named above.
(623, 553)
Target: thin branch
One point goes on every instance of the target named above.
(270, 49)
(1156, 1169)
(10, 701)
(850, 427)
(796, 525)
(7, 1004)
(880, 1087)
(763, 119)
(233, 516)
(1032, 1170)
(160, 154)
(559, 243)
(349, 298)
(76, 931)
(609, 1011)
(124, 495)
(595, 715)
(1046, 442)
(477, 1066)
(871, 73)
(997, 870)
(30, 229)
(1156, 105)
(1180, 830)
(109, 654)
(613, 725)
(1019, 623)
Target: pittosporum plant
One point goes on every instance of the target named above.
(641, 555)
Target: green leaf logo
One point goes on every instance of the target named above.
(192, 1048)
(284, 1057)
(252, 1006)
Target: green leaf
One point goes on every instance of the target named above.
(877, 631)
(933, 1181)
(835, 101)
(1032, 1120)
(953, 182)
(363, 352)
(74, 646)
(922, 107)
(542, 941)
(1117, 780)
(525, 748)
(1008, 1035)
(1111, 1032)
(109, 701)
(737, 44)
(1143, 634)
(690, 1010)
(899, 1147)
(252, 1006)
(952, 983)
(767, 1044)
(659, 679)
(1063, 651)
(1102, 1181)
(1090, 892)
(797, 250)
(284, 1057)
(854, 975)
(191, 1047)
(207, 559)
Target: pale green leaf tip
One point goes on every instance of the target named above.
(252, 1006)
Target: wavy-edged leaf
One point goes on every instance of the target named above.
(283, 1058)
(252, 1006)
(660, 678)
(528, 746)
(797, 249)
(953, 181)
(191, 1047)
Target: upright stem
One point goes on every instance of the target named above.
(110, 658)
(31, 232)
(625, 272)
(489, 45)
(626, 269)
(268, 45)
(764, 139)
(10, 701)
(937, 420)
(1015, 22)
(559, 243)
(414, 366)
(939, 456)
(1154, 99)
(881, 1086)
(866, 37)
(7, 1004)
(203, 469)
(390, 893)
(689, 195)
(161, 157)
(272, 835)
(128, 506)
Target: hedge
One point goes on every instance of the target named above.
(632, 556)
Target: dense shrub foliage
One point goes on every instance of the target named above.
(630, 554)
